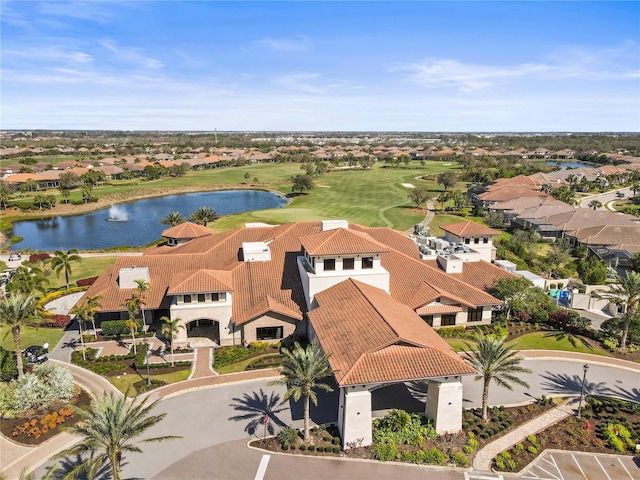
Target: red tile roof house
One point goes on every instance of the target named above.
(365, 293)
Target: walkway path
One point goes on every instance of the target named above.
(484, 456)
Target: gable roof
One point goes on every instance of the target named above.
(200, 281)
(468, 228)
(373, 338)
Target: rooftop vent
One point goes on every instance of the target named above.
(256, 252)
(333, 224)
(128, 276)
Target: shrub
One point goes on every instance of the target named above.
(287, 436)
(8, 365)
(435, 456)
(303, 448)
(38, 257)
(284, 447)
(312, 448)
(532, 449)
(115, 328)
(85, 282)
(55, 321)
(336, 449)
(384, 450)
(320, 449)
(460, 459)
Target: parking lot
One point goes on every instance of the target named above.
(555, 465)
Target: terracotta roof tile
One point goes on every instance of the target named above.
(341, 241)
(186, 230)
(440, 308)
(200, 281)
(468, 228)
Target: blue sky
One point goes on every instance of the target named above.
(269, 66)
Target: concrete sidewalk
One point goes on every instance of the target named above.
(484, 456)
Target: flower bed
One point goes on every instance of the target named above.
(36, 427)
(607, 426)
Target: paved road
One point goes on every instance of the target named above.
(605, 198)
(210, 418)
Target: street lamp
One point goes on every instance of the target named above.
(585, 367)
(147, 355)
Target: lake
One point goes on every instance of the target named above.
(138, 222)
(575, 164)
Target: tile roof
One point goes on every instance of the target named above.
(468, 228)
(439, 308)
(186, 230)
(341, 241)
(373, 338)
(200, 281)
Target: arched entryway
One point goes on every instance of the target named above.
(203, 328)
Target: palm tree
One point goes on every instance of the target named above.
(28, 280)
(302, 370)
(15, 312)
(173, 218)
(203, 215)
(171, 327)
(627, 292)
(61, 262)
(142, 287)
(109, 428)
(132, 307)
(595, 204)
(494, 361)
(86, 311)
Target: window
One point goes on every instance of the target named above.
(474, 314)
(367, 262)
(476, 241)
(201, 298)
(348, 264)
(268, 333)
(485, 240)
(329, 264)
(218, 297)
(448, 320)
(186, 298)
(428, 319)
(467, 241)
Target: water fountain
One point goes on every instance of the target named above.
(117, 214)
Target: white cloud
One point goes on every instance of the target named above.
(132, 55)
(299, 44)
(307, 82)
(616, 63)
(47, 53)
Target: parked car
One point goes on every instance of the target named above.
(14, 257)
(620, 194)
(35, 354)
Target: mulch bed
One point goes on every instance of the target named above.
(445, 443)
(585, 434)
(9, 426)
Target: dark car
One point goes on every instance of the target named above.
(35, 354)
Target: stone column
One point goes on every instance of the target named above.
(444, 404)
(354, 418)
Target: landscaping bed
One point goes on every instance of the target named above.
(229, 355)
(35, 427)
(603, 428)
(411, 438)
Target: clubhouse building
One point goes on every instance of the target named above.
(368, 295)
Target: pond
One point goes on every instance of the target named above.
(133, 224)
(575, 164)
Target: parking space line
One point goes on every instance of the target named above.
(605, 472)
(262, 468)
(579, 467)
(625, 468)
(549, 473)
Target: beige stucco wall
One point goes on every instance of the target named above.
(270, 320)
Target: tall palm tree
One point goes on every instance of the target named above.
(27, 280)
(203, 215)
(86, 310)
(15, 312)
(109, 428)
(171, 327)
(61, 262)
(173, 218)
(627, 292)
(132, 308)
(142, 287)
(302, 370)
(494, 361)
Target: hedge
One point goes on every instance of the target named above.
(115, 328)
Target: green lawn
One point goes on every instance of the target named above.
(540, 341)
(89, 267)
(124, 382)
(31, 336)
(241, 365)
